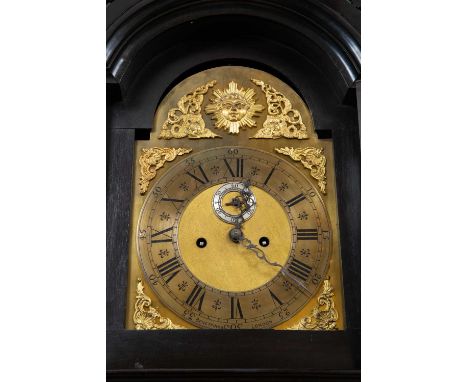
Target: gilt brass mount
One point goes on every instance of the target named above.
(311, 158)
(185, 120)
(282, 119)
(147, 317)
(322, 317)
(233, 108)
(152, 159)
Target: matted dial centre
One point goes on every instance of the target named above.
(224, 264)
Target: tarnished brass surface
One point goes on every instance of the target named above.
(185, 120)
(147, 317)
(311, 158)
(324, 316)
(282, 119)
(153, 159)
(223, 76)
(233, 108)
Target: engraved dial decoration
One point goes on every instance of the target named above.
(194, 264)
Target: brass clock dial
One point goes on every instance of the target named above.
(200, 272)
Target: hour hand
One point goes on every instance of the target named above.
(236, 202)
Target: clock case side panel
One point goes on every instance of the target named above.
(133, 94)
(119, 179)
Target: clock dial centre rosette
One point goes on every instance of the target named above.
(223, 284)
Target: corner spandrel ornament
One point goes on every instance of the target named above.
(147, 317)
(152, 159)
(311, 158)
(324, 316)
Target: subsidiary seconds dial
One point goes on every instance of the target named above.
(212, 281)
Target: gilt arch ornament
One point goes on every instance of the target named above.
(235, 102)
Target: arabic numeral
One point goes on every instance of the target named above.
(157, 191)
(233, 151)
(189, 161)
(153, 279)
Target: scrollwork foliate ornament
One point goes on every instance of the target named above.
(311, 158)
(282, 120)
(323, 317)
(152, 159)
(185, 120)
(147, 317)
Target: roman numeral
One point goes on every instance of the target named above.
(239, 167)
(299, 269)
(269, 176)
(202, 181)
(169, 268)
(173, 200)
(229, 167)
(196, 296)
(236, 311)
(307, 234)
(167, 238)
(295, 200)
(275, 298)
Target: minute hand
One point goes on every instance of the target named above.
(261, 255)
(258, 252)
